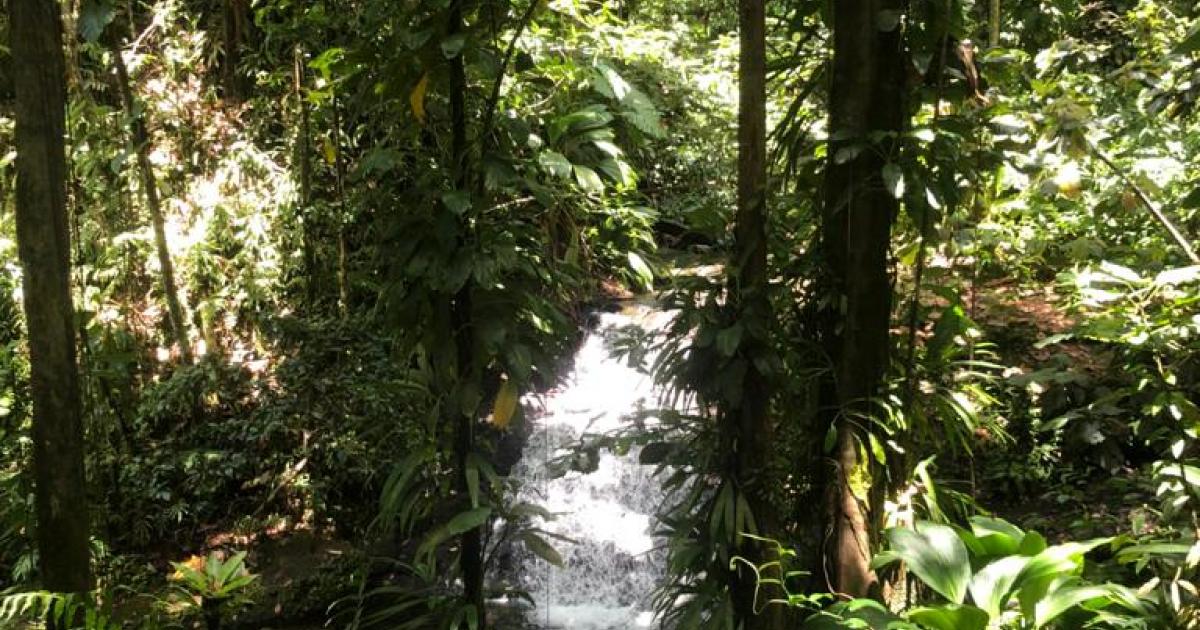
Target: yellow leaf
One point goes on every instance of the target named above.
(417, 98)
(505, 406)
(330, 151)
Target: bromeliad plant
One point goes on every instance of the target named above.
(993, 575)
(215, 584)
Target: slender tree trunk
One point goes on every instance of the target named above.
(141, 145)
(866, 98)
(343, 274)
(749, 422)
(303, 157)
(994, 23)
(44, 247)
(467, 371)
(70, 26)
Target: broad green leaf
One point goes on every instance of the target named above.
(588, 180)
(1136, 552)
(950, 617)
(555, 164)
(461, 523)
(639, 111)
(935, 554)
(993, 585)
(1068, 595)
(541, 548)
(1050, 565)
(230, 567)
(997, 537)
(94, 16)
(608, 148)
(1032, 544)
(608, 82)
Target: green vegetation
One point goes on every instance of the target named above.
(275, 277)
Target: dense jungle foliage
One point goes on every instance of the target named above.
(278, 276)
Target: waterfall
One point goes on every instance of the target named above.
(613, 566)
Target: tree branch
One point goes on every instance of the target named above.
(1159, 215)
(493, 101)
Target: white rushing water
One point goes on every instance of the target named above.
(611, 570)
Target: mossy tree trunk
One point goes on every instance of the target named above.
(866, 111)
(44, 247)
(748, 424)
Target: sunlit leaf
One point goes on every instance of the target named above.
(935, 554)
(893, 180)
(951, 617)
(555, 164)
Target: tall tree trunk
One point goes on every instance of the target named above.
(141, 145)
(303, 157)
(749, 423)
(994, 23)
(866, 98)
(44, 247)
(343, 274)
(467, 371)
(235, 22)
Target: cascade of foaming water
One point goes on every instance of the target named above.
(613, 566)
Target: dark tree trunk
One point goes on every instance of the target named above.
(140, 139)
(235, 22)
(866, 98)
(749, 423)
(303, 158)
(471, 559)
(44, 247)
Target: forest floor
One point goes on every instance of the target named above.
(1103, 494)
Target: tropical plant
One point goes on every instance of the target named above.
(215, 584)
(993, 574)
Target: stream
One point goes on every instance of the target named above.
(610, 571)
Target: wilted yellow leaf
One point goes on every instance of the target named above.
(330, 151)
(505, 406)
(417, 98)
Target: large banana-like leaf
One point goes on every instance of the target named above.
(950, 617)
(992, 587)
(935, 554)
